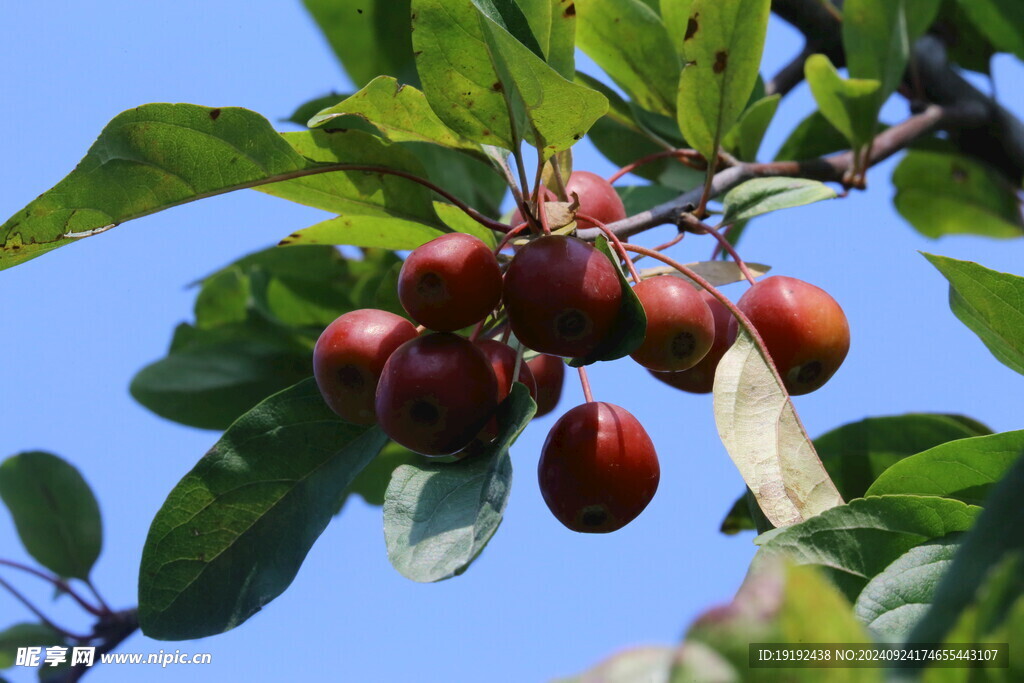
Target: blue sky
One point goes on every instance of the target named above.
(541, 602)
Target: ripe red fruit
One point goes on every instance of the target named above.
(350, 355)
(436, 393)
(451, 282)
(597, 198)
(680, 327)
(562, 295)
(549, 371)
(700, 379)
(598, 469)
(804, 329)
(502, 358)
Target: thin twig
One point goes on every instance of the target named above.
(42, 617)
(585, 381)
(63, 586)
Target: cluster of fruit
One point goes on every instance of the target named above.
(436, 392)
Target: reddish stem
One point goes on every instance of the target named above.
(684, 156)
(585, 381)
(477, 330)
(42, 617)
(672, 242)
(61, 585)
(615, 241)
(725, 244)
(509, 236)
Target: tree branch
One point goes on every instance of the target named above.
(833, 168)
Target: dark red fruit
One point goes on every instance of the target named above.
(597, 199)
(450, 282)
(549, 371)
(436, 393)
(700, 379)
(562, 296)
(502, 358)
(350, 355)
(503, 361)
(598, 469)
(680, 327)
(804, 329)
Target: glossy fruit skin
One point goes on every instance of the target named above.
(349, 357)
(598, 469)
(562, 296)
(700, 379)
(451, 282)
(680, 326)
(597, 198)
(436, 393)
(549, 372)
(804, 329)
(502, 358)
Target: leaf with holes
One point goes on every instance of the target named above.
(439, 516)
(55, 512)
(233, 533)
(722, 53)
(764, 437)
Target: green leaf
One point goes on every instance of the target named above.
(676, 15)
(54, 509)
(475, 182)
(765, 439)
(637, 198)
(369, 37)
(994, 539)
(233, 533)
(990, 303)
(224, 299)
(148, 159)
(25, 635)
(812, 138)
(850, 105)
(876, 43)
(779, 603)
(722, 55)
(855, 542)
(967, 45)
(217, 377)
(856, 454)
(439, 516)
(895, 600)
(382, 232)
(628, 330)
(400, 112)
(555, 112)
(561, 47)
(627, 39)
(943, 193)
(965, 469)
(307, 110)
(744, 140)
(456, 219)
(372, 483)
(508, 15)
(357, 193)
(764, 195)
(1002, 22)
(921, 14)
(454, 64)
